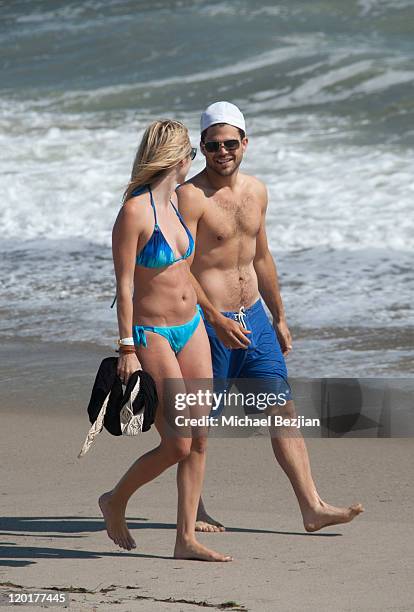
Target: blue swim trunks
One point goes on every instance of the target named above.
(262, 360)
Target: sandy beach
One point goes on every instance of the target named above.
(53, 537)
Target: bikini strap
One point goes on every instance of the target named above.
(177, 211)
(181, 218)
(153, 205)
(143, 189)
(139, 190)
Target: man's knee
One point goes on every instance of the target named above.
(199, 445)
(286, 411)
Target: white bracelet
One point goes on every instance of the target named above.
(126, 342)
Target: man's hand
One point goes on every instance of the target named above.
(283, 335)
(231, 333)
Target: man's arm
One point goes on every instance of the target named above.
(268, 282)
(191, 210)
(231, 333)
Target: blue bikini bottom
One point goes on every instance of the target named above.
(177, 335)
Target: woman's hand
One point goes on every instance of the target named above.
(127, 364)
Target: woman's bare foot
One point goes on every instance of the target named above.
(115, 524)
(191, 549)
(324, 515)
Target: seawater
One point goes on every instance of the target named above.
(327, 91)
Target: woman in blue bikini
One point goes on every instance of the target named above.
(151, 244)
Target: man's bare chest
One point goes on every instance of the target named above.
(224, 219)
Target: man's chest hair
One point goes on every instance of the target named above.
(224, 217)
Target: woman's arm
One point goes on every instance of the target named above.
(125, 236)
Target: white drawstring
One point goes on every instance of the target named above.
(241, 317)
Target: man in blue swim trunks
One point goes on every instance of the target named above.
(233, 269)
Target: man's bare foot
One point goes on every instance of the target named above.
(191, 549)
(205, 522)
(324, 515)
(207, 526)
(115, 524)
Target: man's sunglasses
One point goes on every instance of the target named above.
(193, 153)
(214, 145)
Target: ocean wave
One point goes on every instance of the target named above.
(131, 90)
(294, 76)
(70, 181)
(375, 8)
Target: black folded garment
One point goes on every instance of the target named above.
(121, 413)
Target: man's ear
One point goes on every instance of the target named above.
(202, 149)
(245, 142)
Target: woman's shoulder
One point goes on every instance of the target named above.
(135, 213)
(137, 194)
(137, 204)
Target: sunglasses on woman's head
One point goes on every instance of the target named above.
(193, 153)
(212, 146)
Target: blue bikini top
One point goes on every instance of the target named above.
(157, 253)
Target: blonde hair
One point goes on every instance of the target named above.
(163, 145)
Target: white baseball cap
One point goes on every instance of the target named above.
(222, 112)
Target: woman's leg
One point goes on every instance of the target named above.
(195, 363)
(160, 361)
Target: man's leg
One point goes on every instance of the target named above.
(264, 360)
(291, 453)
(266, 364)
(220, 357)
